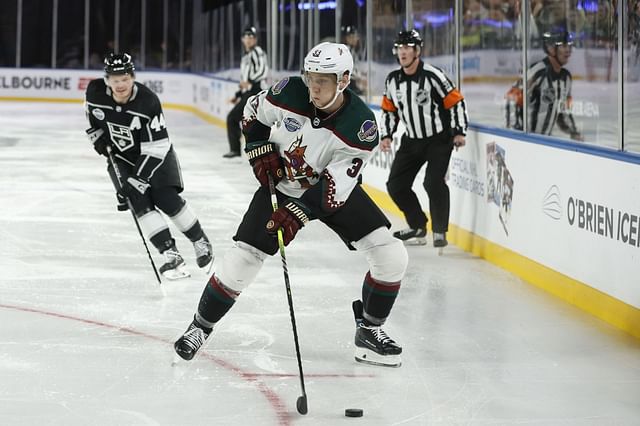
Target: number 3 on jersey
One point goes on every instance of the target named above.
(158, 123)
(355, 169)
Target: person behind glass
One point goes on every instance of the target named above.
(352, 40)
(323, 136)
(253, 72)
(549, 90)
(127, 124)
(434, 114)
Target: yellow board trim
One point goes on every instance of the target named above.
(581, 295)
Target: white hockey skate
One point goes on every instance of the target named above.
(204, 254)
(174, 267)
(373, 346)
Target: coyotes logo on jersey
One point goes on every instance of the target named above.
(295, 164)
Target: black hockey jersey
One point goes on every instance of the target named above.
(136, 130)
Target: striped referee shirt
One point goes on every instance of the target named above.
(254, 68)
(550, 99)
(427, 102)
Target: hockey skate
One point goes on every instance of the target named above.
(373, 346)
(204, 253)
(440, 241)
(192, 340)
(174, 266)
(412, 237)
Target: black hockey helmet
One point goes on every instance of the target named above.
(250, 31)
(556, 38)
(349, 30)
(409, 38)
(118, 64)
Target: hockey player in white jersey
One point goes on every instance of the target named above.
(323, 136)
(126, 117)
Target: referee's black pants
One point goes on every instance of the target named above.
(234, 131)
(410, 157)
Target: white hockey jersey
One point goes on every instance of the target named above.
(322, 155)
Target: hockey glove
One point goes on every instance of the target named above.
(265, 160)
(292, 216)
(100, 143)
(101, 147)
(134, 187)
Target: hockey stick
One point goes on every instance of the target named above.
(301, 403)
(135, 219)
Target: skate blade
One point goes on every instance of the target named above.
(415, 242)
(367, 356)
(176, 274)
(177, 359)
(440, 251)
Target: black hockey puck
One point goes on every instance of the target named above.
(354, 412)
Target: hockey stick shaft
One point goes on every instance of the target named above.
(133, 214)
(302, 401)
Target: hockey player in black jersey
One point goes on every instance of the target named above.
(126, 118)
(324, 135)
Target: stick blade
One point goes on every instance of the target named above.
(301, 404)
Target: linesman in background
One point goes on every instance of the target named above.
(351, 39)
(253, 72)
(127, 123)
(435, 118)
(549, 90)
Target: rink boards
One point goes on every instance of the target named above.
(564, 218)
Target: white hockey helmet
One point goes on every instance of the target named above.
(329, 58)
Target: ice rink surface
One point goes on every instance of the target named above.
(86, 335)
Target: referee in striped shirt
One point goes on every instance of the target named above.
(253, 70)
(435, 118)
(549, 90)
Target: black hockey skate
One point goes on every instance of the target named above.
(204, 253)
(192, 340)
(174, 266)
(412, 236)
(440, 239)
(373, 346)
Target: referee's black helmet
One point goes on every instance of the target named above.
(556, 38)
(409, 38)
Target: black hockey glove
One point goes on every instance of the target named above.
(134, 187)
(98, 139)
(265, 159)
(292, 216)
(101, 146)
